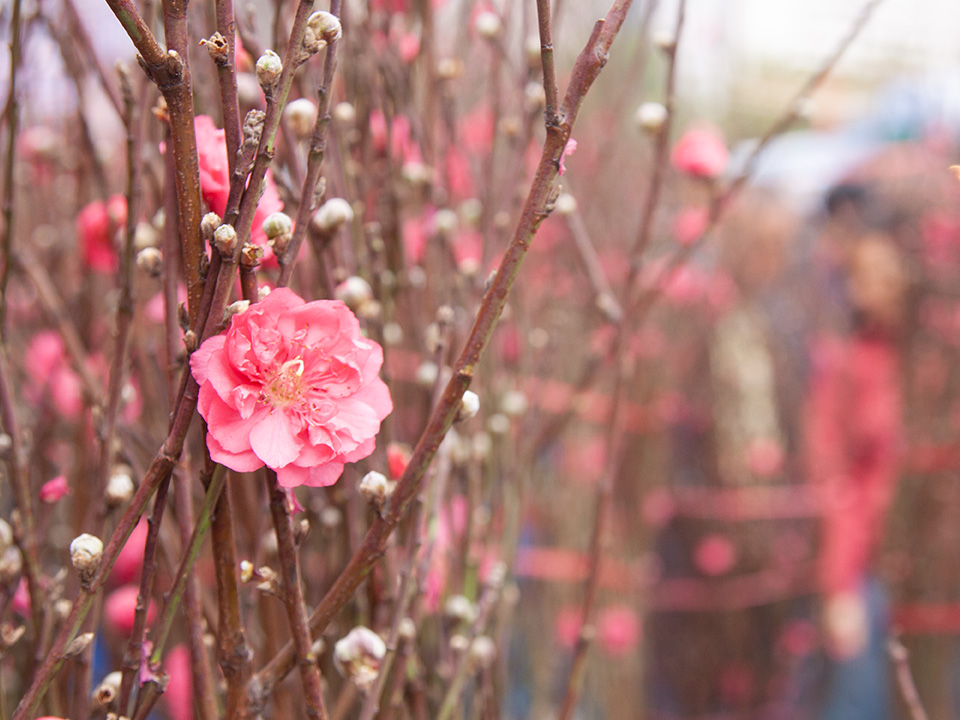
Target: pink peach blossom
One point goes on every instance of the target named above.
(127, 567)
(618, 629)
(49, 371)
(294, 386)
(715, 555)
(120, 607)
(179, 692)
(700, 152)
(97, 225)
(215, 180)
(53, 490)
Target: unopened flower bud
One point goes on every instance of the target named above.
(374, 488)
(445, 222)
(498, 424)
(459, 644)
(460, 609)
(145, 235)
(85, 553)
(301, 114)
(322, 29)
(78, 645)
(11, 563)
(150, 260)
(108, 689)
(251, 255)
(354, 292)
(119, 487)
(469, 406)
(665, 41)
(566, 204)
(208, 226)
(234, 308)
(449, 69)
(62, 608)
(269, 67)
(392, 333)
(301, 528)
(407, 629)
(334, 213)
(269, 581)
(225, 240)
(651, 116)
(427, 374)
(358, 656)
(488, 25)
(483, 651)
(513, 403)
(345, 114)
(277, 224)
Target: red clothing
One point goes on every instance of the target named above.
(854, 439)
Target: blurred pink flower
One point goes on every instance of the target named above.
(21, 599)
(398, 457)
(715, 555)
(53, 490)
(764, 457)
(127, 567)
(458, 176)
(689, 224)
(618, 629)
(215, 181)
(408, 47)
(294, 386)
(567, 625)
(120, 608)
(700, 152)
(179, 692)
(154, 310)
(97, 226)
(799, 638)
(49, 371)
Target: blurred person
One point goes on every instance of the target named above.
(715, 638)
(854, 443)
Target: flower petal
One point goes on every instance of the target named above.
(274, 440)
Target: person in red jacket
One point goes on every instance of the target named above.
(854, 444)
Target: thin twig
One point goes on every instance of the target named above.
(13, 127)
(908, 688)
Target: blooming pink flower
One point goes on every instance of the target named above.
(618, 629)
(689, 224)
(94, 225)
(53, 490)
(700, 152)
(215, 180)
(294, 386)
(120, 609)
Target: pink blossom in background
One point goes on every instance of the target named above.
(408, 47)
(53, 490)
(97, 226)
(799, 638)
(21, 599)
(155, 310)
(700, 152)
(657, 507)
(179, 692)
(458, 176)
(215, 181)
(294, 386)
(414, 235)
(127, 567)
(689, 224)
(715, 555)
(120, 607)
(618, 629)
(398, 457)
(49, 371)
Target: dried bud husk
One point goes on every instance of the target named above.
(209, 224)
(77, 645)
(217, 47)
(108, 689)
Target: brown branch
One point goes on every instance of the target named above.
(547, 60)
(586, 69)
(227, 75)
(13, 127)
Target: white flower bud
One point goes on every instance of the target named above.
(650, 117)
(531, 49)
(427, 374)
(119, 487)
(234, 308)
(354, 292)
(392, 333)
(469, 406)
(498, 424)
(322, 28)
(407, 630)
(459, 608)
(108, 689)
(208, 226)
(471, 210)
(483, 651)
(459, 644)
(513, 403)
(566, 204)
(445, 222)
(78, 645)
(449, 69)
(345, 114)
(488, 25)
(145, 235)
(85, 553)
(665, 41)
(6, 443)
(269, 67)
(374, 487)
(277, 224)
(11, 563)
(358, 656)
(225, 240)
(150, 260)
(334, 213)
(301, 114)
(416, 172)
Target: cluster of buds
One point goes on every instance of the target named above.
(358, 656)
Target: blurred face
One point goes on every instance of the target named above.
(876, 281)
